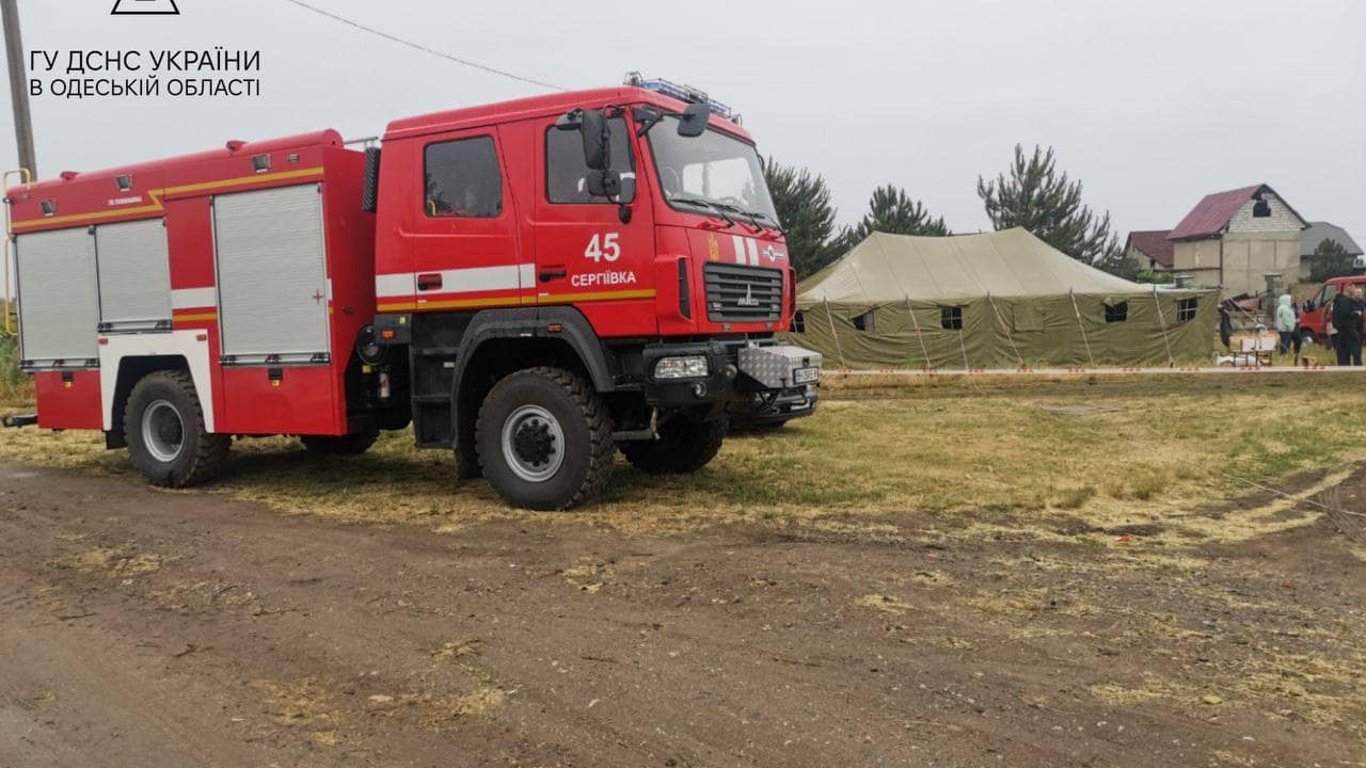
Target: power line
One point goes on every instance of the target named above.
(425, 49)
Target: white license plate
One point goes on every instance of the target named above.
(806, 376)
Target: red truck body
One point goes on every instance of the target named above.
(299, 287)
(78, 393)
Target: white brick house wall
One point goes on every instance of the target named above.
(1282, 219)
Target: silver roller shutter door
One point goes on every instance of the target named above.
(135, 274)
(58, 300)
(272, 275)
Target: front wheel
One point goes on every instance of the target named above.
(545, 439)
(164, 426)
(683, 446)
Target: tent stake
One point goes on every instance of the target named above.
(1077, 311)
(835, 332)
(1170, 360)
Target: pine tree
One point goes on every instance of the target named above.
(802, 200)
(1330, 259)
(893, 211)
(1037, 196)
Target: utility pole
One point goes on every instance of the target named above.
(14, 53)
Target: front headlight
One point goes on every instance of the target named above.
(689, 367)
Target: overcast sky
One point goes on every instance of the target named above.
(1151, 103)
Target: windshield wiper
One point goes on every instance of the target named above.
(752, 217)
(718, 208)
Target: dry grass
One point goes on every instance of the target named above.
(117, 562)
(1157, 451)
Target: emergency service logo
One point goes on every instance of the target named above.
(145, 8)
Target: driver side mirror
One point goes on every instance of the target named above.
(597, 140)
(694, 121)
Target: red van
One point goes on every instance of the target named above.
(1316, 313)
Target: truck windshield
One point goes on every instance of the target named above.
(711, 170)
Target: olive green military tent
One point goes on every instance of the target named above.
(997, 300)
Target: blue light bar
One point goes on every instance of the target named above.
(684, 93)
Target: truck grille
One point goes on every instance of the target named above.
(739, 294)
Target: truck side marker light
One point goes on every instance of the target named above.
(388, 335)
(201, 337)
(554, 328)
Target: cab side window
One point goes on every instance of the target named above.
(566, 173)
(463, 179)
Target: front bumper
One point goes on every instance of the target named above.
(738, 373)
(776, 408)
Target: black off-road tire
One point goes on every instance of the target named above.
(201, 455)
(344, 445)
(581, 415)
(683, 447)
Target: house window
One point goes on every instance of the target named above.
(566, 173)
(463, 179)
(1261, 210)
(1186, 309)
(951, 318)
(799, 322)
(1117, 313)
(865, 322)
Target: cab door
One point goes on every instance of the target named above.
(464, 242)
(585, 253)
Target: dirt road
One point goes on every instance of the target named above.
(156, 629)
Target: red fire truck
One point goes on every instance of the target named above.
(533, 284)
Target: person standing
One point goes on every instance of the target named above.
(1285, 323)
(1348, 309)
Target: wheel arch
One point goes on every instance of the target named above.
(131, 370)
(499, 342)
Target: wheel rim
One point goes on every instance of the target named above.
(163, 431)
(533, 443)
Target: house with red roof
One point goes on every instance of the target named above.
(1234, 239)
(1150, 249)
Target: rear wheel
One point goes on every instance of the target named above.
(545, 439)
(683, 446)
(167, 438)
(344, 445)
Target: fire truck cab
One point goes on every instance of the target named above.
(534, 284)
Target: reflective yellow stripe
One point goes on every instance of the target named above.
(196, 318)
(157, 194)
(547, 298)
(566, 298)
